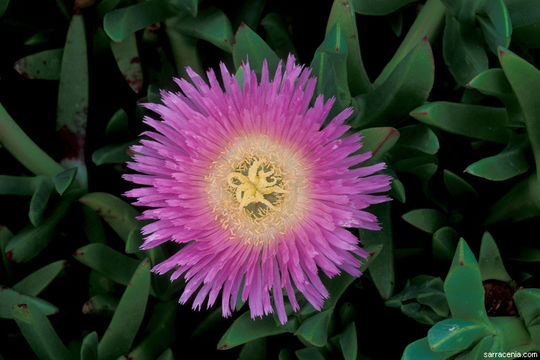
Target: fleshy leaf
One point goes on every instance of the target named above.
(525, 81)
(329, 65)
(189, 6)
(34, 283)
(72, 108)
(120, 23)
(490, 261)
(407, 87)
(420, 350)
(249, 46)
(314, 330)
(477, 352)
(342, 13)
(428, 220)
(89, 347)
(63, 180)
(39, 333)
(10, 298)
(457, 186)
(127, 318)
(109, 262)
(476, 121)
(444, 243)
(40, 198)
(310, 353)
(211, 25)
(44, 65)
(117, 124)
(116, 212)
(381, 268)
(126, 54)
(463, 287)
(455, 334)
(420, 138)
(378, 140)
(528, 304)
(113, 154)
(277, 35)
(348, 342)
(100, 303)
(494, 20)
(379, 7)
(463, 51)
(161, 332)
(245, 329)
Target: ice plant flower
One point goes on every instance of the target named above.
(255, 187)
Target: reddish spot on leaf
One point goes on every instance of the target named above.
(78, 253)
(127, 357)
(242, 24)
(135, 60)
(224, 346)
(88, 306)
(422, 113)
(461, 263)
(9, 256)
(73, 142)
(23, 306)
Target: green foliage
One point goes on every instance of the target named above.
(445, 92)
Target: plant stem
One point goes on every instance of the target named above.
(24, 149)
(427, 24)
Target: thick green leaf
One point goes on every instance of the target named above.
(329, 65)
(89, 347)
(426, 26)
(127, 318)
(494, 20)
(30, 241)
(348, 342)
(34, 283)
(126, 54)
(314, 330)
(525, 81)
(249, 46)
(381, 268)
(310, 353)
(420, 350)
(116, 212)
(5, 236)
(109, 262)
(455, 334)
(457, 186)
(463, 287)
(10, 298)
(113, 154)
(100, 303)
(490, 261)
(44, 65)
(120, 23)
(117, 124)
(491, 82)
(72, 108)
(13, 138)
(342, 13)
(407, 87)
(444, 243)
(245, 329)
(463, 51)
(64, 180)
(515, 333)
(428, 220)
(160, 330)
(526, 255)
(420, 138)
(528, 304)
(379, 7)
(254, 350)
(184, 49)
(166, 355)
(521, 202)
(211, 25)
(277, 35)
(476, 121)
(378, 140)
(18, 185)
(40, 198)
(477, 352)
(39, 333)
(189, 6)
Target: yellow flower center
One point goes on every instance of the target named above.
(257, 189)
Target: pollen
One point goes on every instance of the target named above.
(257, 189)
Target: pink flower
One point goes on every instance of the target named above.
(255, 189)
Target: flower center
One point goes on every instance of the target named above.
(252, 188)
(257, 189)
